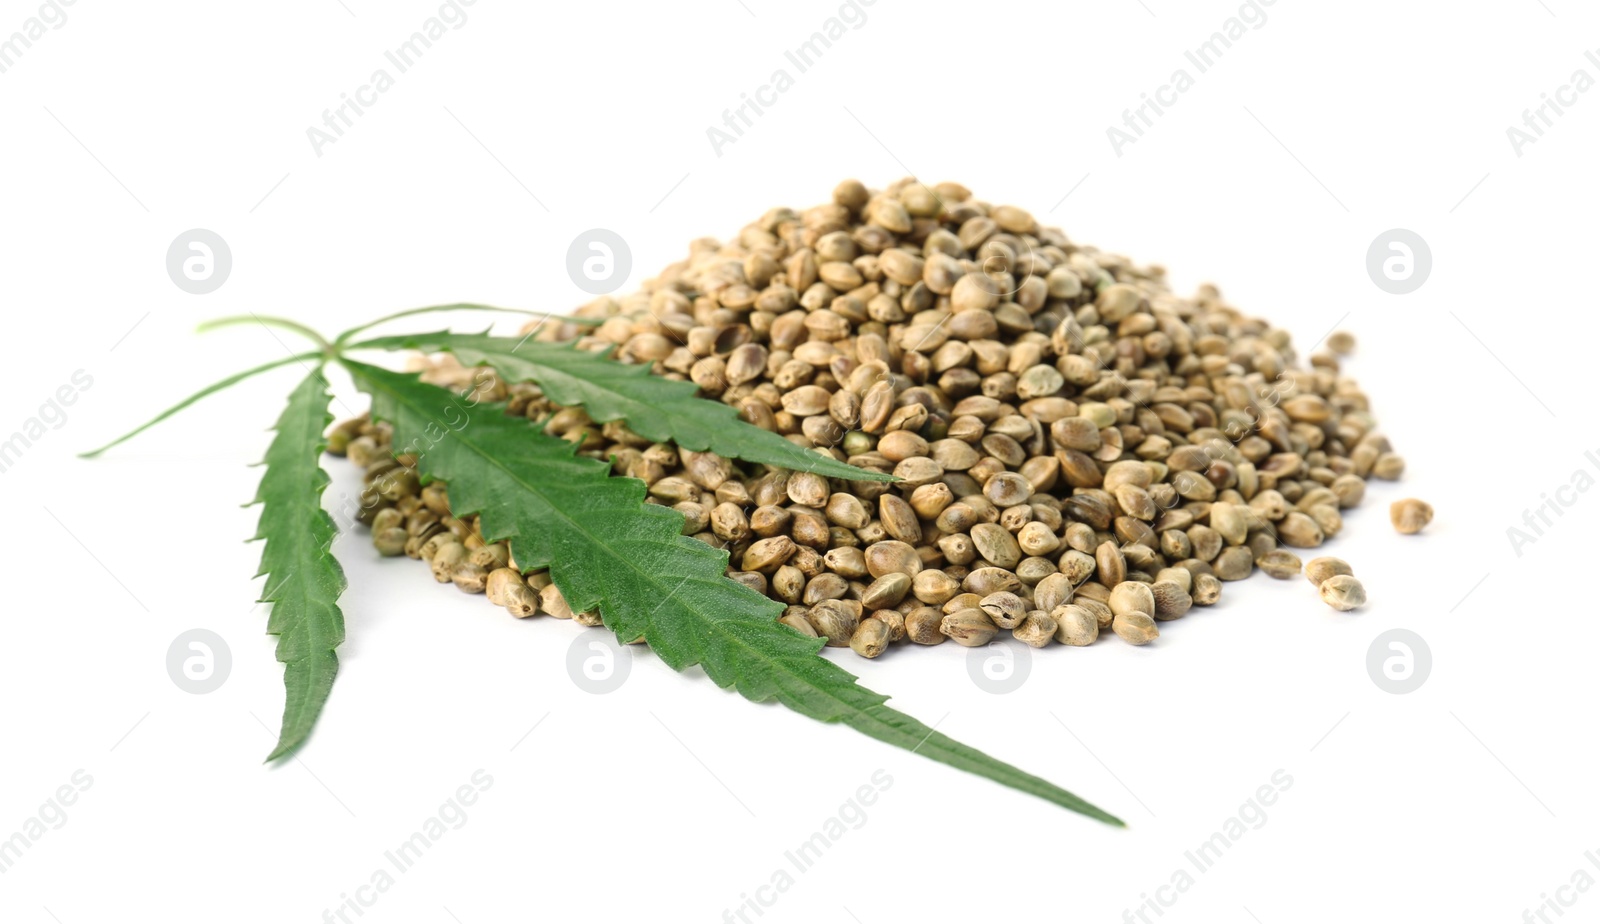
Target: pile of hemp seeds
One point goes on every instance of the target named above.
(1079, 449)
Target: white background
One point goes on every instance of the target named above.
(669, 799)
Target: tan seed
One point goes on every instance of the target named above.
(970, 627)
(1320, 569)
(886, 591)
(1004, 608)
(1279, 564)
(1343, 592)
(521, 601)
(795, 618)
(1131, 597)
(1110, 565)
(892, 556)
(1075, 625)
(922, 625)
(766, 555)
(836, 620)
(870, 638)
(1300, 531)
(1036, 629)
(1389, 467)
(1409, 516)
(1234, 564)
(1171, 600)
(499, 581)
(1135, 628)
(974, 292)
(934, 586)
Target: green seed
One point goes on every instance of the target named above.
(391, 541)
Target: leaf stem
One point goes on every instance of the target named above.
(208, 390)
(344, 338)
(269, 321)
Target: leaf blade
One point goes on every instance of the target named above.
(656, 408)
(304, 580)
(609, 551)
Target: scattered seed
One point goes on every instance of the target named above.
(1324, 567)
(1409, 516)
(1343, 592)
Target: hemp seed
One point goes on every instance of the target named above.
(1409, 516)
(1342, 592)
(1079, 448)
(1075, 625)
(1324, 567)
(1135, 628)
(1036, 629)
(970, 627)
